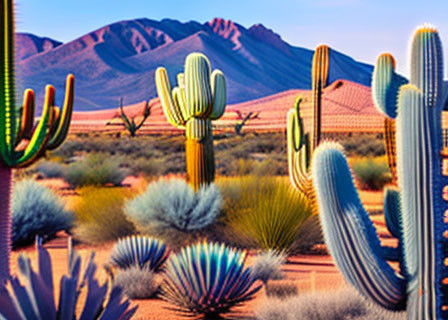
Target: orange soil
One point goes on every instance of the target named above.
(309, 272)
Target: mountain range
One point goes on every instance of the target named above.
(120, 59)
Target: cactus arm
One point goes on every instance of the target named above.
(41, 135)
(7, 93)
(218, 84)
(390, 253)
(26, 123)
(385, 85)
(63, 121)
(320, 68)
(392, 211)
(198, 95)
(171, 110)
(349, 233)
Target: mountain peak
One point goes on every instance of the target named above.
(261, 33)
(226, 29)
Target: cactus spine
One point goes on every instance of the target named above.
(19, 144)
(418, 222)
(199, 98)
(301, 145)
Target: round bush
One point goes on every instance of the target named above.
(36, 210)
(174, 205)
(137, 283)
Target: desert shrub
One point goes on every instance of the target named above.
(372, 174)
(198, 285)
(267, 265)
(36, 210)
(139, 251)
(137, 283)
(50, 169)
(343, 304)
(147, 166)
(281, 289)
(99, 214)
(265, 212)
(170, 206)
(363, 146)
(95, 169)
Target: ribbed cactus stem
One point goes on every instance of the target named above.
(200, 159)
(17, 127)
(349, 233)
(5, 221)
(320, 68)
(199, 98)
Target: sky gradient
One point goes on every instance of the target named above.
(360, 28)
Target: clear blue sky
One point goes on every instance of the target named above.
(360, 28)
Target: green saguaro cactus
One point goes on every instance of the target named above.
(199, 98)
(20, 145)
(416, 215)
(301, 145)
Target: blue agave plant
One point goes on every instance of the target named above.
(208, 279)
(35, 299)
(144, 252)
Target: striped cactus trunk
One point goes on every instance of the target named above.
(198, 98)
(415, 214)
(5, 221)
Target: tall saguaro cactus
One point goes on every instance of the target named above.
(418, 221)
(301, 145)
(199, 98)
(20, 145)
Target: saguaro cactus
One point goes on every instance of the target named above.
(20, 145)
(385, 86)
(199, 98)
(419, 221)
(301, 145)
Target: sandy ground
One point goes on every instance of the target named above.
(308, 272)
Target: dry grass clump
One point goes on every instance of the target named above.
(99, 214)
(344, 304)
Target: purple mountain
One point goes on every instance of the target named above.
(119, 60)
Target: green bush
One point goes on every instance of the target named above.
(95, 169)
(99, 214)
(265, 212)
(37, 211)
(371, 173)
(50, 169)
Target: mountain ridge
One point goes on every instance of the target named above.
(119, 60)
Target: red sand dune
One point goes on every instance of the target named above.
(347, 107)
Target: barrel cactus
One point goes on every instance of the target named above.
(199, 98)
(20, 145)
(416, 216)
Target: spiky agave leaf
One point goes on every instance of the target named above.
(141, 251)
(208, 279)
(35, 299)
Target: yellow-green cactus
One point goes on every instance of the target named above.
(301, 145)
(20, 145)
(198, 98)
